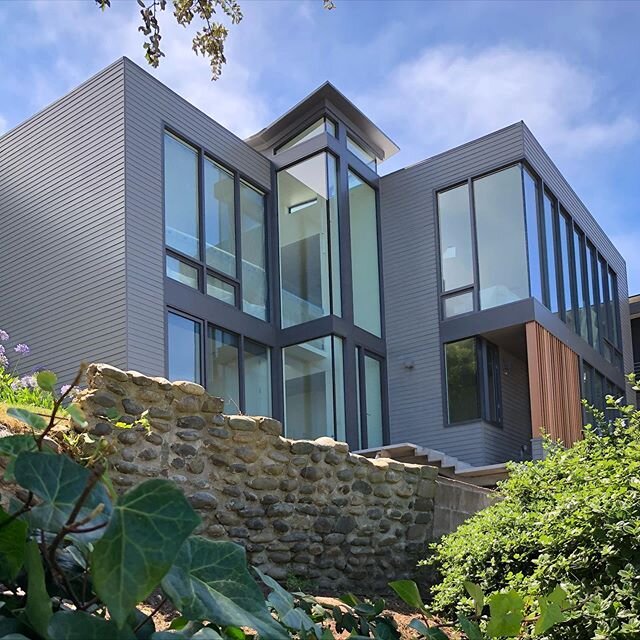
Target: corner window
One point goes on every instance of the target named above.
(369, 397)
(254, 256)
(220, 228)
(361, 153)
(183, 348)
(322, 125)
(551, 247)
(365, 268)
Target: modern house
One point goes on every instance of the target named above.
(460, 305)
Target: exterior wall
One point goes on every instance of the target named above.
(304, 508)
(410, 256)
(62, 246)
(150, 106)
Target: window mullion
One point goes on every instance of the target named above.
(238, 236)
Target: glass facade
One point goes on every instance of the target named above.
(373, 394)
(217, 288)
(309, 241)
(361, 153)
(322, 125)
(257, 376)
(551, 281)
(222, 368)
(502, 266)
(183, 353)
(531, 199)
(463, 393)
(567, 286)
(582, 294)
(220, 228)
(313, 377)
(365, 270)
(457, 304)
(182, 272)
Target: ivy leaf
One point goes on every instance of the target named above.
(433, 633)
(78, 625)
(76, 415)
(12, 447)
(477, 594)
(28, 417)
(407, 590)
(59, 482)
(13, 541)
(147, 528)
(506, 614)
(46, 380)
(38, 609)
(551, 610)
(471, 629)
(210, 581)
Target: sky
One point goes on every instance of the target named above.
(431, 75)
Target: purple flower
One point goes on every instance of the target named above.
(29, 382)
(16, 385)
(4, 361)
(22, 349)
(4, 336)
(64, 388)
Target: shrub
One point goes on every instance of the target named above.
(571, 519)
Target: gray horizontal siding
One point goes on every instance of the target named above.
(150, 107)
(411, 296)
(62, 269)
(548, 171)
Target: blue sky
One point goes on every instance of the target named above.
(431, 75)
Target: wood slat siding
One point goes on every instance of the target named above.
(149, 107)
(62, 202)
(411, 298)
(554, 386)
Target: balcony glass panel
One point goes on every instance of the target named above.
(499, 216)
(456, 254)
(222, 368)
(219, 218)
(217, 288)
(313, 372)
(257, 379)
(364, 255)
(181, 197)
(254, 259)
(183, 348)
(182, 272)
(463, 399)
(309, 250)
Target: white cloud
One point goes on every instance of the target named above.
(454, 95)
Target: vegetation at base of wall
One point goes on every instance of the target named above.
(572, 519)
(77, 560)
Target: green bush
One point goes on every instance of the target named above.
(572, 519)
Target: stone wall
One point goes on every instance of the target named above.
(300, 508)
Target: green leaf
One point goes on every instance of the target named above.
(551, 610)
(471, 629)
(428, 632)
(477, 594)
(46, 380)
(147, 528)
(210, 581)
(558, 596)
(78, 625)
(59, 483)
(505, 614)
(407, 590)
(350, 600)
(12, 447)
(28, 417)
(38, 609)
(13, 541)
(76, 415)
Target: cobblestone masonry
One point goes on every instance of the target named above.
(300, 508)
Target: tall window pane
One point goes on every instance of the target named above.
(499, 216)
(254, 260)
(580, 266)
(219, 218)
(257, 379)
(364, 255)
(181, 197)
(456, 255)
(550, 251)
(594, 289)
(533, 241)
(615, 308)
(183, 348)
(604, 302)
(463, 399)
(568, 286)
(222, 368)
(373, 386)
(307, 205)
(312, 408)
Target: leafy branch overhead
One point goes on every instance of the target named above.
(208, 41)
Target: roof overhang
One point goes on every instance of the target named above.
(325, 98)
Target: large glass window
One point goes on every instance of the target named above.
(533, 240)
(361, 153)
(181, 197)
(568, 284)
(257, 379)
(313, 373)
(615, 309)
(456, 254)
(550, 253)
(463, 398)
(183, 348)
(323, 125)
(581, 267)
(457, 303)
(254, 257)
(364, 255)
(309, 247)
(219, 216)
(499, 215)
(182, 272)
(373, 394)
(594, 288)
(222, 368)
